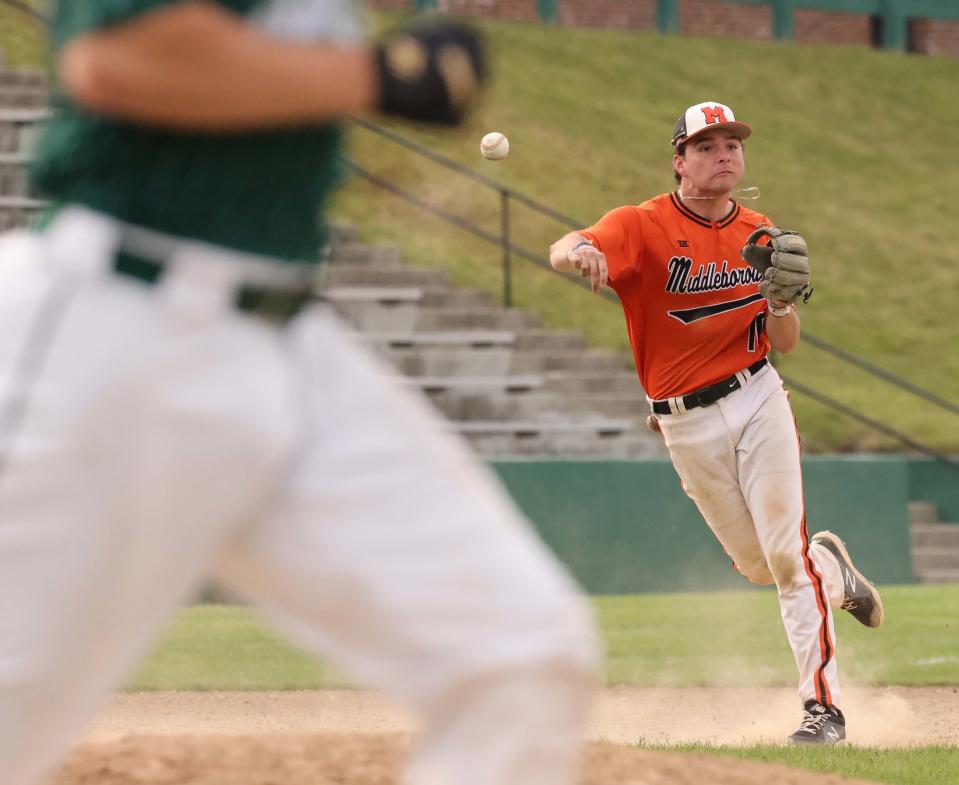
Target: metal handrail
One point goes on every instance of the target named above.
(446, 215)
(509, 247)
(879, 373)
(509, 193)
(456, 166)
(878, 425)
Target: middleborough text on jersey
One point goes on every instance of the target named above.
(708, 278)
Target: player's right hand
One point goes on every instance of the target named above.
(431, 71)
(591, 264)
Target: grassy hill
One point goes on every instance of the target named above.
(850, 146)
(23, 40)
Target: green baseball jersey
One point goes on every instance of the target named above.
(261, 192)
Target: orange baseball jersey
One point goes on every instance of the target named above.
(693, 309)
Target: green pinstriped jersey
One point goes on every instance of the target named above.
(261, 192)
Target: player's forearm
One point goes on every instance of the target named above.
(783, 331)
(558, 252)
(195, 66)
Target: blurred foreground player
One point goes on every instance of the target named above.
(173, 407)
(708, 287)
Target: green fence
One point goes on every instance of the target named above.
(626, 526)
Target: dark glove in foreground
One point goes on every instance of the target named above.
(431, 71)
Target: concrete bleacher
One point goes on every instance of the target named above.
(935, 544)
(508, 385)
(23, 110)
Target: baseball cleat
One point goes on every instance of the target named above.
(860, 597)
(820, 725)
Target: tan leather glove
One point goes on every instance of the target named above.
(784, 263)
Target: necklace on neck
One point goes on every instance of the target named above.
(751, 192)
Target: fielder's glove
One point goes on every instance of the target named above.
(784, 264)
(431, 71)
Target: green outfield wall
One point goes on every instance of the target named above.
(626, 526)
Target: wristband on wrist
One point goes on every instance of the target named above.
(784, 311)
(582, 244)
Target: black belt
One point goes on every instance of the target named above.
(709, 395)
(274, 304)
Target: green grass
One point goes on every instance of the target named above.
(23, 40)
(224, 647)
(664, 640)
(696, 640)
(897, 766)
(858, 163)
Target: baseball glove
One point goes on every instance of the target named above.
(431, 71)
(784, 264)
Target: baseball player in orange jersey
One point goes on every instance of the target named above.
(173, 405)
(701, 320)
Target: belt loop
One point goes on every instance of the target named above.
(744, 376)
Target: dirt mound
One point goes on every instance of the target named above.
(343, 759)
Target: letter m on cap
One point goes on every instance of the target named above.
(714, 114)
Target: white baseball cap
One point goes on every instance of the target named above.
(707, 116)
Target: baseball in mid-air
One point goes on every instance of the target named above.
(494, 146)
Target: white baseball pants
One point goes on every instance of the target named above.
(739, 461)
(152, 436)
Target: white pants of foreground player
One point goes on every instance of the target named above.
(153, 436)
(739, 462)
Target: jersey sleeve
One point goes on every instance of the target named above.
(618, 235)
(76, 17)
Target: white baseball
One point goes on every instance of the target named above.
(494, 146)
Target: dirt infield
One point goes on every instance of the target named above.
(358, 737)
(355, 759)
(623, 715)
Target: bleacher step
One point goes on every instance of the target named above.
(926, 558)
(950, 575)
(536, 361)
(341, 274)
(935, 535)
(444, 318)
(473, 339)
(14, 177)
(579, 382)
(511, 387)
(549, 339)
(531, 428)
(921, 512)
(353, 253)
(23, 97)
(22, 77)
(504, 384)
